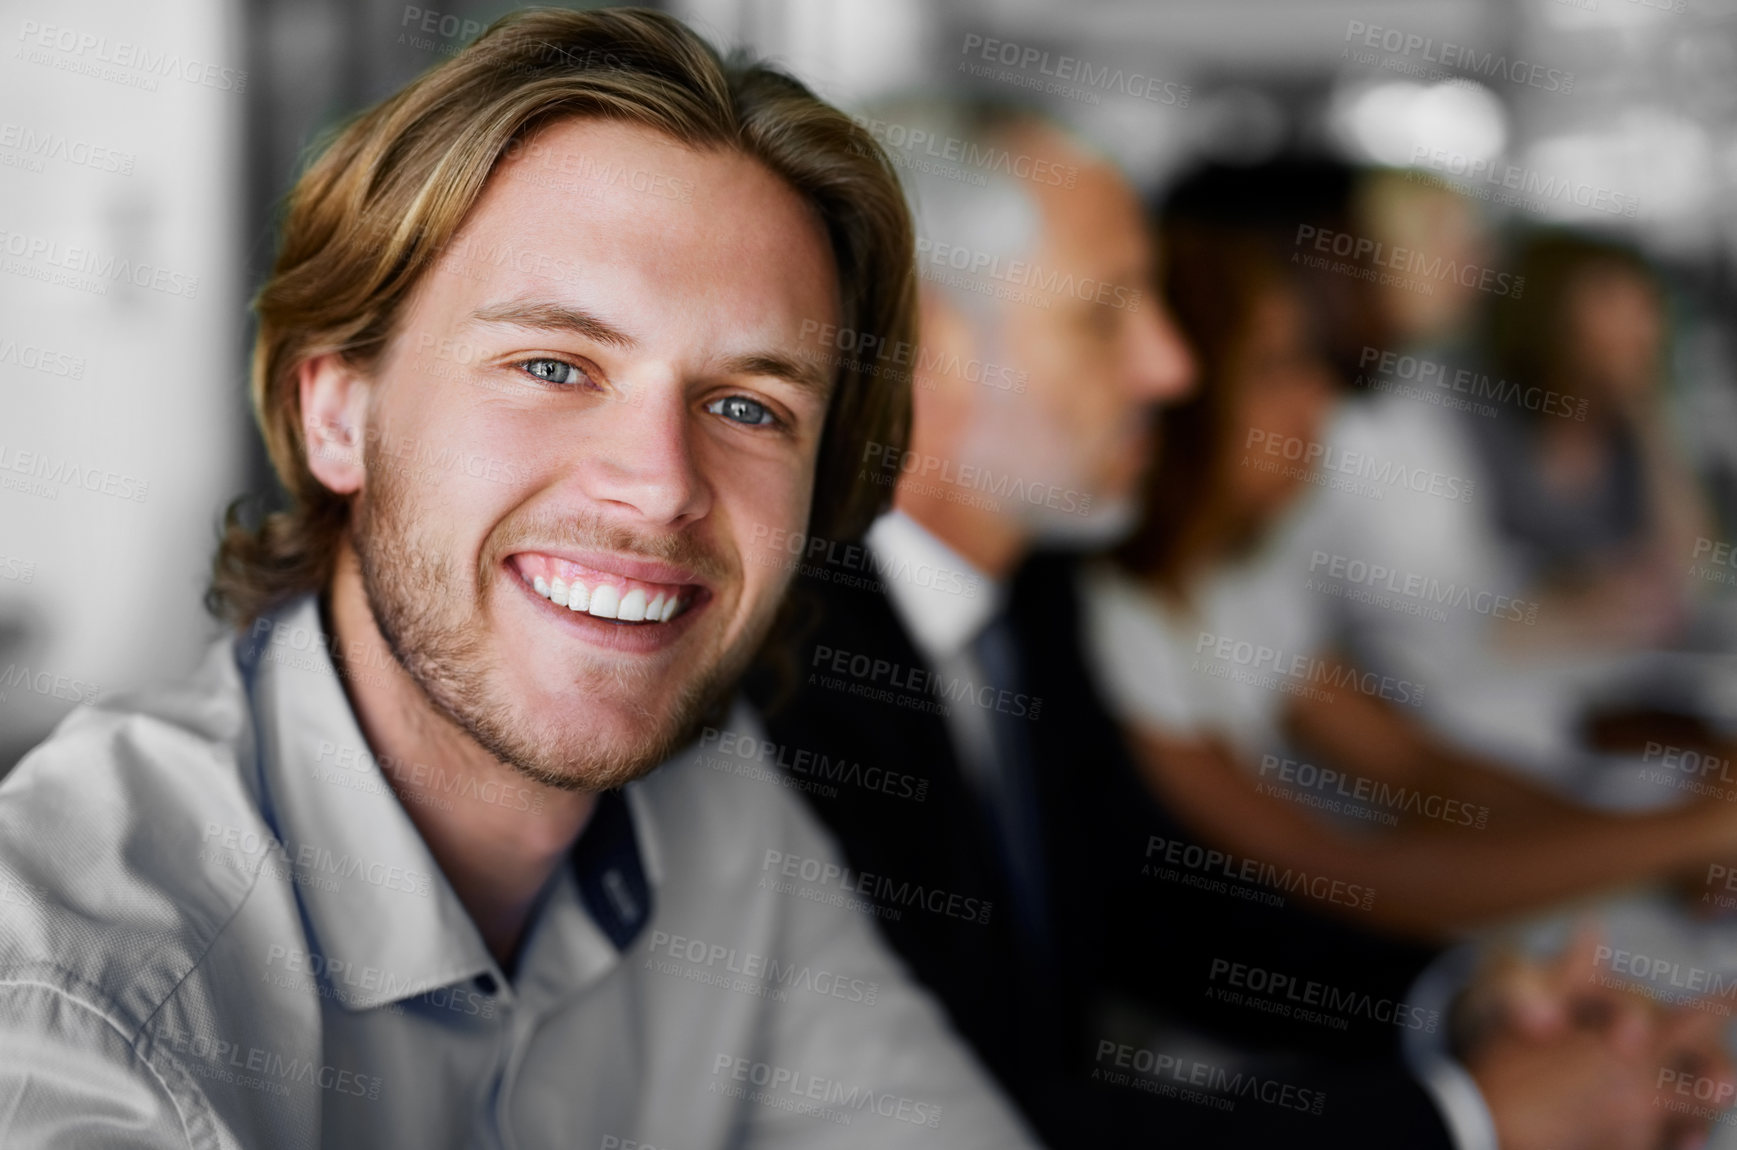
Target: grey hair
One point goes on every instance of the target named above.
(947, 152)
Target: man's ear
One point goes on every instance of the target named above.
(945, 400)
(946, 336)
(334, 420)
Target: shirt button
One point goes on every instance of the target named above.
(485, 982)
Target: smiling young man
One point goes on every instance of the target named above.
(389, 870)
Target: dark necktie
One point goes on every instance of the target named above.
(1011, 798)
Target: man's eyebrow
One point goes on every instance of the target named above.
(554, 317)
(561, 317)
(808, 376)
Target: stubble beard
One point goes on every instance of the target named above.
(1008, 443)
(436, 629)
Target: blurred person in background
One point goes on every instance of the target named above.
(1416, 318)
(1540, 575)
(1534, 381)
(1402, 213)
(938, 598)
(1022, 794)
(1230, 550)
(1595, 516)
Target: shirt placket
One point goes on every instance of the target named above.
(564, 957)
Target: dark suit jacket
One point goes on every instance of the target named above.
(1129, 939)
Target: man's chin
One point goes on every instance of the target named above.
(1106, 523)
(584, 740)
(590, 757)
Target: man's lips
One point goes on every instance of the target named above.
(616, 587)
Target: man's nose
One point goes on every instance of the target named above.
(642, 460)
(1161, 364)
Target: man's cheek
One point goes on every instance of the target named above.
(765, 573)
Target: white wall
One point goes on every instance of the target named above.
(120, 155)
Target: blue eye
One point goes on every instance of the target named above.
(743, 410)
(555, 371)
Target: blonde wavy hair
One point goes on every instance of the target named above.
(373, 212)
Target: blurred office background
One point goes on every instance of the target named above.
(144, 150)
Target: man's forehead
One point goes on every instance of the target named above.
(1096, 212)
(623, 217)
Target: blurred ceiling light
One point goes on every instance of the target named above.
(1575, 15)
(1386, 122)
(1661, 161)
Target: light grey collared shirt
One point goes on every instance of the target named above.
(219, 928)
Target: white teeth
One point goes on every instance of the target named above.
(605, 601)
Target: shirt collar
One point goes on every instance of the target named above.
(374, 896)
(941, 620)
(614, 882)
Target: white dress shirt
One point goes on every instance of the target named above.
(941, 624)
(219, 928)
